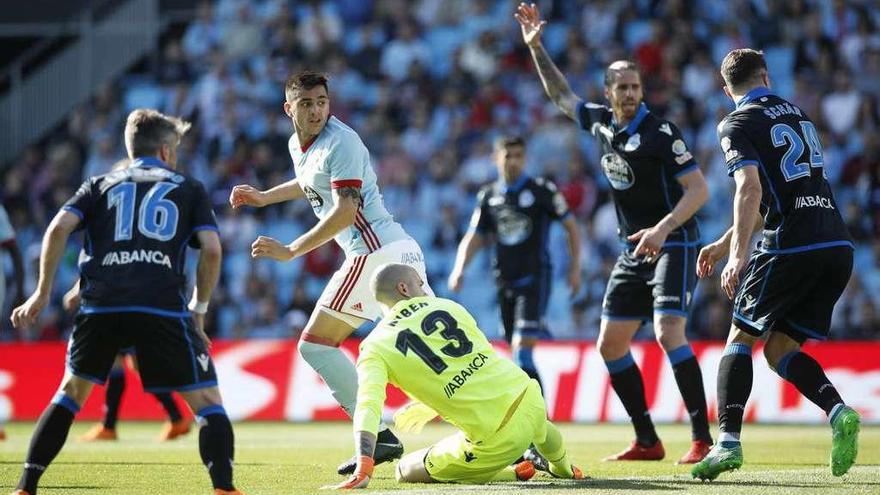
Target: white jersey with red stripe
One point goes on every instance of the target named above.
(338, 158)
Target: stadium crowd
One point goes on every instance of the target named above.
(428, 84)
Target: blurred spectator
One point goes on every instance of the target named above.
(428, 84)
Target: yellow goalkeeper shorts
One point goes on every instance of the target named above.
(457, 459)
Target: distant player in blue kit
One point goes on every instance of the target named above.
(515, 213)
(784, 291)
(657, 189)
(335, 175)
(138, 223)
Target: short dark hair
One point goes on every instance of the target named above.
(616, 68)
(742, 66)
(505, 142)
(304, 80)
(146, 130)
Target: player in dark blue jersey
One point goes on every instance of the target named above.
(138, 223)
(784, 291)
(657, 188)
(516, 212)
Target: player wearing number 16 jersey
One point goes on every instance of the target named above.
(138, 222)
(432, 349)
(790, 283)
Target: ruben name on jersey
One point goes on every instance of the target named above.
(432, 349)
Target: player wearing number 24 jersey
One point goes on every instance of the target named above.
(432, 349)
(784, 291)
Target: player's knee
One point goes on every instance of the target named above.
(411, 469)
(611, 347)
(777, 347)
(313, 350)
(202, 398)
(76, 388)
(670, 331)
(670, 340)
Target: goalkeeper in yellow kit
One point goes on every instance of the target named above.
(432, 349)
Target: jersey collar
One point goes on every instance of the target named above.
(516, 186)
(754, 94)
(149, 161)
(634, 123)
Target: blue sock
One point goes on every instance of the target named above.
(217, 445)
(626, 379)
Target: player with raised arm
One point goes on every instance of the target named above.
(138, 222)
(8, 243)
(785, 290)
(334, 173)
(432, 349)
(515, 213)
(657, 188)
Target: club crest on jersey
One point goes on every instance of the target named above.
(513, 227)
(678, 147)
(314, 198)
(632, 143)
(526, 199)
(619, 173)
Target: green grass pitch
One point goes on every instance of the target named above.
(284, 458)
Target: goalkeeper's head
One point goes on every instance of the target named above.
(394, 282)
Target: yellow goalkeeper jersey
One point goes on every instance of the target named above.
(432, 349)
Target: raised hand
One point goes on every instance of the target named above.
(530, 22)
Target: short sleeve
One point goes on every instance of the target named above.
(347, 163)
(481, 220)
(7, 233)
(557, 206)
(674, 152)
(737, 148)
(203, 217)
(83, 201)
(591, 113)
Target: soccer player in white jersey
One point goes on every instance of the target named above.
(7, 242)
(333, 172)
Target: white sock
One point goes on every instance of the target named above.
(337, 371)
(728, 437)
(834, 411)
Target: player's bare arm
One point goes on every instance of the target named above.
(207, 275)
(470, 244)
(246, 195)
(555, 84)
(696, 193)
(573, 239)
(347, 201)
(52, 250)
(746, 206)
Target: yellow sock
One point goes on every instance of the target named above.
(506, 474)
(553, 450)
